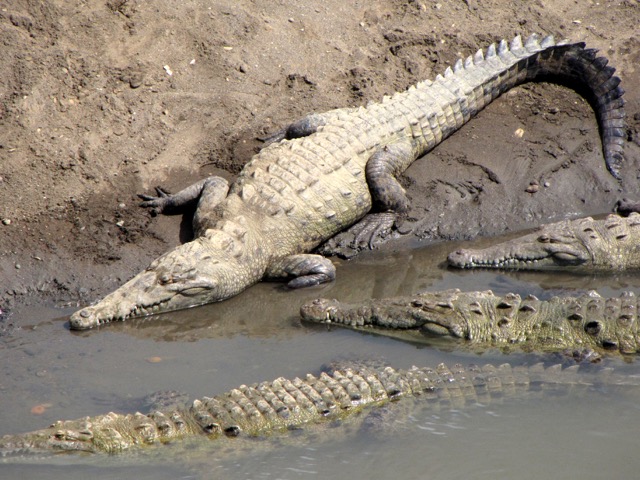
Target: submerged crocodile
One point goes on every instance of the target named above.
(586, 326)
(275, 407)
(325, 172)
(585, 244)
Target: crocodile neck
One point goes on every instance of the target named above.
(613, 243)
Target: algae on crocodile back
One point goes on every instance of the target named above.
(323, 174)
(586, 245)
(586, 327)
(283, 405)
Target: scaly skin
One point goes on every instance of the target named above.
(278, 406)
(325, 172)
(589, 325)
(589, 245)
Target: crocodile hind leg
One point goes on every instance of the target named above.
(388, 198)
(305, 126)
(307, 270)
(205, 195)
(301, 128)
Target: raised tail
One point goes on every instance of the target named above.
(580, 69)
(482, 77)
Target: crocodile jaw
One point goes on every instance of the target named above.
(142, 295)
(538, 251)
(188, 276)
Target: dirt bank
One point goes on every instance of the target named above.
(100, 100)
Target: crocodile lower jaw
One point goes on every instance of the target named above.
(89, 318)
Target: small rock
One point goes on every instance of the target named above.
(6, 221)
(136, 80)
(533, 187)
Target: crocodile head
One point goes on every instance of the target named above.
(53, 440)
(553, 246)
(99, 434)
(441, 314)
(189, 275)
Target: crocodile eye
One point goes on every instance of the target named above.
(544, 238)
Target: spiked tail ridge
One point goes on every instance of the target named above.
(474, 82)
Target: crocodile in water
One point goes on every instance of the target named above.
(325, 173)
(282, 405)
(585, 327)
(585, 244)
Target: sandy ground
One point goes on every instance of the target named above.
(104, 99)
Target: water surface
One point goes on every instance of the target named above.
(583, 433)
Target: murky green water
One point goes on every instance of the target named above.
(257, 336)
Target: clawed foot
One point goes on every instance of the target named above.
(370, 232)
(626, 207)
(157, 204)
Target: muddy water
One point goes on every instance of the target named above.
(586, 433)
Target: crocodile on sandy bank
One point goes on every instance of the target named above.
(275, 407)
(586, 326)
(325, 173)
(585, 244)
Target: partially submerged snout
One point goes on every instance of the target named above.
(185, 277)
(431, 314)
(144, 294)
(536, 251)
(320, 310)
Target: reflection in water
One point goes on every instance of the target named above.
(271, 310)
(257, 335)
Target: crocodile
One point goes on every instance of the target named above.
(586, 327)
(281, 405)
(607, 245)
(334, 170)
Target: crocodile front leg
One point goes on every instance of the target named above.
(389, 200)
(205, 195)
(307, 270)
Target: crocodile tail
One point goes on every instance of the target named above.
(581, 69)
